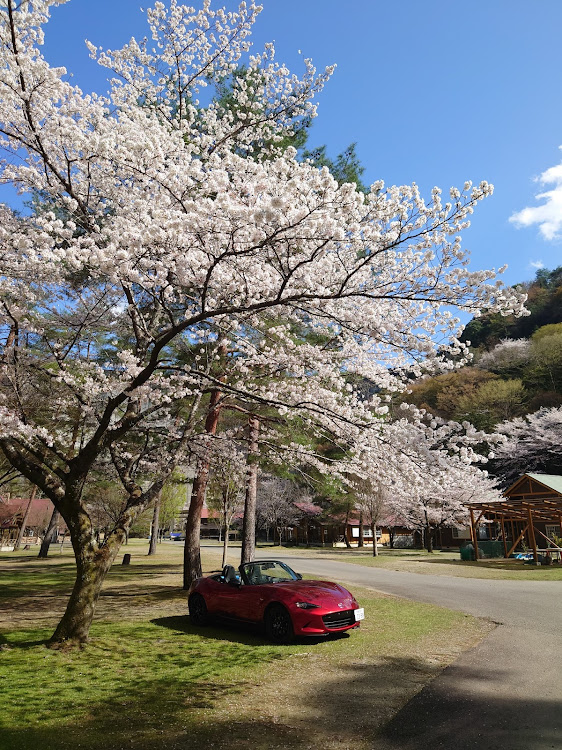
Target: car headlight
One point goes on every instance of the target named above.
(307, 605)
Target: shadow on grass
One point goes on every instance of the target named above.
(205, 712)
(156, 592)
(118, 570)
(249, 635)
(236, 632)
(22, 645)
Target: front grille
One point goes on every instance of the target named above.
(339, 619)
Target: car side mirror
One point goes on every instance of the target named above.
(299, 577)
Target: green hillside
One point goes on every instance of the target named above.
(544, 300)
(517, 365)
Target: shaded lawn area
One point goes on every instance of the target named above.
(149, 679)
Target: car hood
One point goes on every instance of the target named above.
(323, 593)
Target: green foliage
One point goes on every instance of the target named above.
(492, 402)
(544, 302)
(346, 167)
(545, 367)
(552, 329)
(441, 394)
(519, 363)
(174, 496)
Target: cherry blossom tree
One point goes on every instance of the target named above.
(533, 443)
(506, 358)
(372, 504)
(427, 472)
(164, 221)
(276, 505)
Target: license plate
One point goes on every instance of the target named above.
(359, 614)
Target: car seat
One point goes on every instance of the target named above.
(255, 575)
(229, 574)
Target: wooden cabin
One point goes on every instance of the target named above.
(530, 514)
(35, 512)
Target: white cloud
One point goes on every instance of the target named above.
(549, 214)
(538, 264)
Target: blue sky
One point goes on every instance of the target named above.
(435, 92)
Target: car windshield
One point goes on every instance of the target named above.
(268, 571)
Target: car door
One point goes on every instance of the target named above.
(240, 602)
(249, 602)
(216, 596)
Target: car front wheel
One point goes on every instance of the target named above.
(197, 610)
(278, 624)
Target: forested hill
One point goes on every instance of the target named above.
(544, 302)
(516, 368)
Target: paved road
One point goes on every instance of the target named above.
(505, 694)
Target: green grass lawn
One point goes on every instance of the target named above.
(149, 679)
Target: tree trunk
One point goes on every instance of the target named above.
(226, 527)
(91, 570)
(428, 538)
(92, 565)
(192, 549)
(49, 534)
(155, 525)
(249, 523)
(346, 528)
(374, 530)
(21, 532)
(361, 541)
(225, 544)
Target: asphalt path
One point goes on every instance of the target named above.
(506, 693)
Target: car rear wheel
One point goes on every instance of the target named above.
(278, 624)
(197, 610)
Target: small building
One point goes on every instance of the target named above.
(317, 528)
(530, 513)
(15, 510)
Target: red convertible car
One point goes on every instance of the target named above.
(268, 592)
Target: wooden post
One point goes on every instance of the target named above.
(516, 542)
(503, 536)
(532, 536)
(474, 535)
